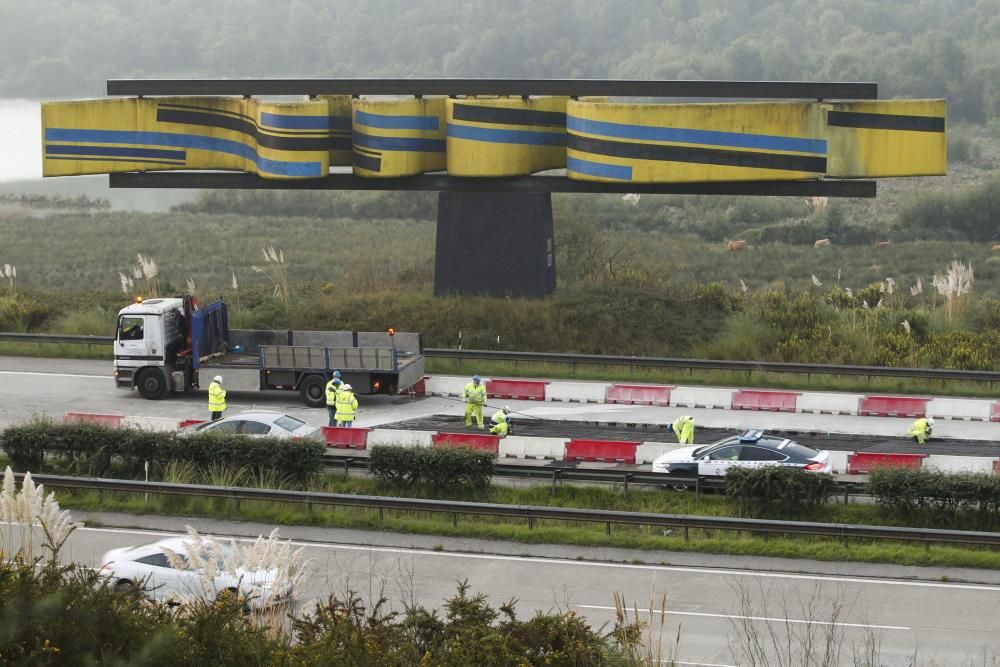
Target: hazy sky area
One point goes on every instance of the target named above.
(20, 140)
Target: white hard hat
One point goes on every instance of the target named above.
(347, 387)
(930, 421)
(506, 408)
(217, 378)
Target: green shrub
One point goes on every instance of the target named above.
(71, 615)
(102, 451)
(937, 496)
(441, 468)
(788, 490)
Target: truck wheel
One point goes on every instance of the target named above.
(152, 385)
(313, 391)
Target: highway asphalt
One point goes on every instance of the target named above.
(943, 616)
(951, 620)
(30, 386)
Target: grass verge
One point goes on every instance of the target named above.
(650, 538)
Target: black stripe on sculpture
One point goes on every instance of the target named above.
(721, 157)
(505, 116)
(885, 121)
(368, 162)
(244, 127)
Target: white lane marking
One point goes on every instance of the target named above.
(57, 375)
(578, 563)
(757, 618)
(696, 664)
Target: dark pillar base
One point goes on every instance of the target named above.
(494, 244)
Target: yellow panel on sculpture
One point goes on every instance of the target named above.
(340, 130)
(398, 137)
(681, 143)
(274, 140)
(506, 136)
(887, 138)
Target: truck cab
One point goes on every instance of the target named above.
(148, 337)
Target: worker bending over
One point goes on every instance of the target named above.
(500, 422)
(683, 428)
(920, 430)
(347, 406)
(475, 398)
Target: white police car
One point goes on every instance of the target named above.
(751, 449)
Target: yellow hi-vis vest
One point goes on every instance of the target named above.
(499, 417)
(919, 427)
(475, 395)
(347, 405)
(332, 389)
(216, 397)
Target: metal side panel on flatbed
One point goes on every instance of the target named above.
(410, 372)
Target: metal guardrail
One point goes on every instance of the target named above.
(622, 360)
(569, 473)
(56, 338)
(530, 513)
(712, 364)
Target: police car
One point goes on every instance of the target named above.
(751, 449)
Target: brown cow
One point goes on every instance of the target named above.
(822, 243)
(736, 246)
(884, 244)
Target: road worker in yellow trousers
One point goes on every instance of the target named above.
(216, 398)
(920, 430)
(500, 423)
(475, 398)
(683, 428)
(347, 406)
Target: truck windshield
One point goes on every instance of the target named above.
(130, 328)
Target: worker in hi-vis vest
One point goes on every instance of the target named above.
(347, 405)
(920, 430)
(331, 390)
(500, 423)
(216, 398)
(683, 428)
(475, 398)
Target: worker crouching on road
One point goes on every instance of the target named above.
(347, 406)
(920, 430)
(475, 398)
(216, 398)
(683, 428)
(500, 422)
(332, 389)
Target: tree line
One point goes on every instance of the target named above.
(913, 49)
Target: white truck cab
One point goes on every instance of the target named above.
(147, 339)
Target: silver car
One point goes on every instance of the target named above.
(149, 566)
(260, 423)
(751, 449)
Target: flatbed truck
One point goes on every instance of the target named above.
(174, 344)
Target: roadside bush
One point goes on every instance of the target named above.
(938, 496)
(92, 449)
(71, 615)
(442, 468)
(789, 491)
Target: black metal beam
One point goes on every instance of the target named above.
(568, 87)
(440, 183)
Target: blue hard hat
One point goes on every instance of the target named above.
(336, 374)
(476, 378)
